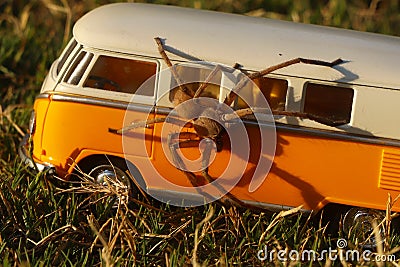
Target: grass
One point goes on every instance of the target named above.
(44, 225)
(46, 222)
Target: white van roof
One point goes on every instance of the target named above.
(256, 43)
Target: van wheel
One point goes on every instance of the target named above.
(358, 224)
(114, 175)
(355, 224)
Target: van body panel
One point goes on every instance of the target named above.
(40, 108)
(72, 126)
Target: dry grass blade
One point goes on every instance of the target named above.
(97, 192)
(144, 194)
(328, 262)
(342, 258)
(1, 114)
(379, 243)
(20, 23)
(55, 234)
(115, 236)
(13, 20)
(106, 252)
(139, 218)
(208, 217)
(23, 20)
(94, 225)
(166, 237)
(389, 216)
(61, 9)
(383, 228)
(7, 114)
(280, 216)
(388, 219)
(9, 208)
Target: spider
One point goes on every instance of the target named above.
(207, 122)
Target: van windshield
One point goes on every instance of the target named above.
(68, 50)
(78, 68)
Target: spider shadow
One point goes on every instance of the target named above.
(309, 193)
(178, 52)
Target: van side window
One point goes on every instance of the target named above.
(78, 68)
(190, 75)
(274, 90)
(121, 75)
(331, 102)
(64, 57)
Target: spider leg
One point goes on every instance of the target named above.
(212, 74)
(175, 141)
(165, 57)
(173, 145)
(292, 62)
(228, 197)
(204, 84)
(147, 124)
(238, 113)
(242, 82)
(320, 119)
(248, 111)
(238, 66)
(135, 125)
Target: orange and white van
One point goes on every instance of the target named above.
(94, 84)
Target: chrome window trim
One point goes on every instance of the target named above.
(42, 96)
(59, 75)
(102, 102)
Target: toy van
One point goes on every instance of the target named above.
(94, 83)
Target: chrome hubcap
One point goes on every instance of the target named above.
(115, 177)
(359, 223)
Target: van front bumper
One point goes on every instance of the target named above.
(23, 151)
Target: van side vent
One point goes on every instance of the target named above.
(390, 170)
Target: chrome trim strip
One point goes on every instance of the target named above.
(182, 196)
(163, 110)
(42, 96)
(314, 132)
(103, 102)
(339, 135)
(23, 154)
(273, 207)
(165, 195)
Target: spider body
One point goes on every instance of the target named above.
(208, 125)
